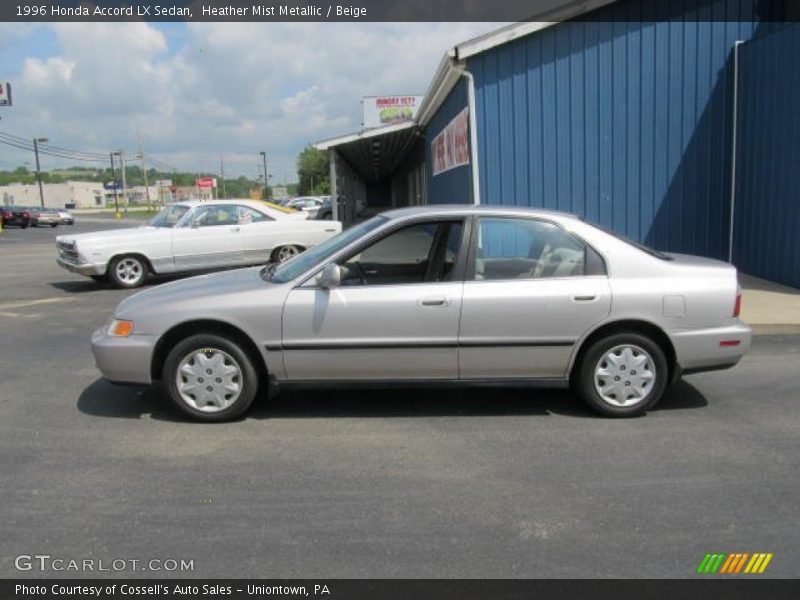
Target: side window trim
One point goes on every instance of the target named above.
(469, 270)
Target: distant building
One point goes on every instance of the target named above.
(73, 194)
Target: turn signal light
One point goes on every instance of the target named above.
(737, 308)
(727, 343)
(120, 328)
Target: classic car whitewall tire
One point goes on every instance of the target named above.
(622, 375)
(210, 378)
(127, 271)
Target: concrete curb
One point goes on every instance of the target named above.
(775, 328)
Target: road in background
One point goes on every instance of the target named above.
(468, 483)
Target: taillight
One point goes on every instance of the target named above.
(737, 307)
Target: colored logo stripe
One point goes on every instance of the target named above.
(734, 562)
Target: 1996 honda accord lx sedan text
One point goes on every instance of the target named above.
(461, 295)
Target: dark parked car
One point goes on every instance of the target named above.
(15, 215)
(325, 212)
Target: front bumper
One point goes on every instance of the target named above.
(87, 269)
(123, 359)
(699, 350)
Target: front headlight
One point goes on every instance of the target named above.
(119, 328)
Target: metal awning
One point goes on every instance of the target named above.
(374, 153)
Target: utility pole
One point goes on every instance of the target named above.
(222, 176)
(266, 178)
(144, 171)
(114, 183)
(124, 184)
(36, 142)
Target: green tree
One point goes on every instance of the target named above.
(313, 172)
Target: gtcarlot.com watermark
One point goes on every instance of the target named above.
(46, 562)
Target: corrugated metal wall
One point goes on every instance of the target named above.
(767, 213)
(626, 122)
(453, 186)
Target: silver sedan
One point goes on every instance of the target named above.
(456, 295)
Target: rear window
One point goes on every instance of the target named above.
(651, 251)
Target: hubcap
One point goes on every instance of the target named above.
(625, 375)
(287, 252)
(129, 270)
(209, 380)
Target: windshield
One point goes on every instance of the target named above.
(303, 262)
(169, 216)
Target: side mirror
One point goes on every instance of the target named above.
(330, 276)
(195, 224)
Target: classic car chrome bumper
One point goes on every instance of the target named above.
(83, 268)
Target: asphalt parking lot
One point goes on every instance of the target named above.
(412, 484)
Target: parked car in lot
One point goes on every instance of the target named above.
(447, 295)
(43, 216)
(16, 216)
(66, 217)
(189, 236)
(309, 204)
(325, 212)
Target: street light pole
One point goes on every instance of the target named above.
(38, 170)
(114, 183)
(266, 179)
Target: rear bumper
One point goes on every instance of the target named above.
(87, 269)
(698, 350)
(123, 360)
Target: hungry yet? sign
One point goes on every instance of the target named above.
(386, 110)
(450, 148)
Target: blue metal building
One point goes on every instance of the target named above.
(631, 113)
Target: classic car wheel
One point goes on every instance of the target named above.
(285, 253)
(210, 378)
(623, 375)
(128, 271)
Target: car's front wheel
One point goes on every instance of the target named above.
(210, 378)
(284, 253)
(622, 375)
(128, 271)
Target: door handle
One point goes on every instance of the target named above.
(584, 298)
(234, 229)
(434, 301)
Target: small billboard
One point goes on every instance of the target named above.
(5, 93)
(206, 182)
(388, 110)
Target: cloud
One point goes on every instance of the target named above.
(230, 89)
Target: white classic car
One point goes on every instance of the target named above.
(190, 236)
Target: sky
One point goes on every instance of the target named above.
(196, 91)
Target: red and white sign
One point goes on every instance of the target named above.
(5, 93)
(206, 182)
(450, 149)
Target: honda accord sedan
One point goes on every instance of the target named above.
(447, 295)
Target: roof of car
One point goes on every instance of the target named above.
(440, 209)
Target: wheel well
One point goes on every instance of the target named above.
(142, 257)
(653, 332)
(167, 341)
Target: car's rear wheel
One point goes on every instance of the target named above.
(128, 271)
(210, 378)
(622, 375)
(284, 253)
